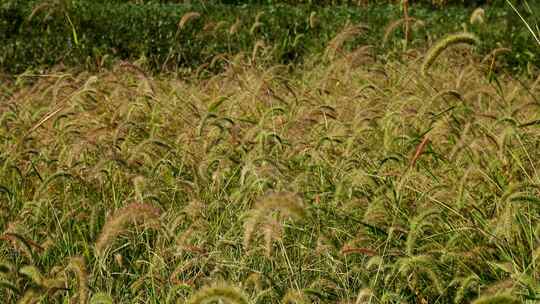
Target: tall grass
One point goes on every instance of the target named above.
(353, 180)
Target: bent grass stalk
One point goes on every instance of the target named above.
(134, 213)
(348, 32)
(442, 45)
(188, 17)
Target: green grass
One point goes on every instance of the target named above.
(356, 180)
(360, 174)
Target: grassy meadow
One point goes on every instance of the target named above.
(356, 176)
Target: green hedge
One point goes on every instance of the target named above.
(124, 30)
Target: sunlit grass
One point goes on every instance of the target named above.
(356, 180)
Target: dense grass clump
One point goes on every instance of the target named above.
(352, 180)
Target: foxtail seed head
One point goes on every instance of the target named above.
(134, 213)
(443, 44)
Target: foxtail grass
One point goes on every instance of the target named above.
(477, 16)
(287, 204)
(348, 32)
(497, 299)
(78, 266)
(223, 293)
(443, 44)
(187, 17)
(135, 213)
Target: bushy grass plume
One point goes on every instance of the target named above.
(465, 284)
(101, 298)
(497, 299)
(224, 293)
(347, 33)
(33, 274)
(233, 29)
(294, 297)
(416, 267)
(78, 266)
(31, 296)
(477, 16)
(46, 282)
(313, 22)
(364, 296)
(134, 213)
(286, 204)
(187, 17)
(416, 227)
(443, 44)
(408, 23)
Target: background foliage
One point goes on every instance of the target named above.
(86, 32)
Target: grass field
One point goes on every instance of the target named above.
(352, 178)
